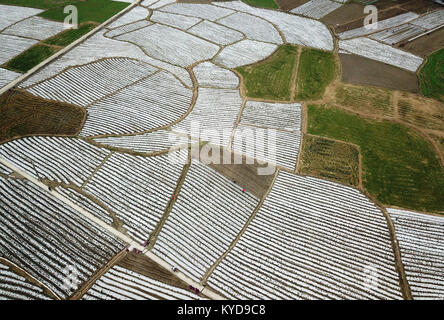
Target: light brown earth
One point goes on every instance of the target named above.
(245, 175)
(23, 114)
(331, 160)
(364, 71)
(347, 13)
(425, 45)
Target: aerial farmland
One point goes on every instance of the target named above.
(221, 150)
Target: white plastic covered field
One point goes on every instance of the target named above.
(209, 213)
(123, 284)
(421, 241)
(15, 287)
(311, 239)
(43, 236)
(65, 160)
(137, 189)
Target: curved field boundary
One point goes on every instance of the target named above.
(132, 244)
(67, 48)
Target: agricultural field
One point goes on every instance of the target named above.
(197, 149)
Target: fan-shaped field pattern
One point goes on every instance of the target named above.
(43, 236)
(152, 142)
(253, 27)
(295, 29)
(123, 284)
(137, 189)
(207, 216)
(210, 75)
(163, 43)
(311, 239)
(82, 85)
(148, 104)
(15, 287)
(213, 116)
(421, 241)
(60, 159)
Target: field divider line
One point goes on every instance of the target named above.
(169, 208)
(241, 233)
(96, 169)
(294, 76)
(67, 48)
(28, 276)
(134, 244)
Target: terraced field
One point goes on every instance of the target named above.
(213, 150)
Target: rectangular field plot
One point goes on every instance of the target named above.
(63, 160)
(203, 11)
(421, 241)
(209, 213)
(123, 284)
(430, 21)
(311, 239)
(174, 20)
(329, 159)
(274, 146)
(47, 239)
(316, 8)
(137, 189)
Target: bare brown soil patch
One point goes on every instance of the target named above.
(425, 45)
(287, 5)
(344, 14)
(439, 142)
(360, 70)
(382, 15)
(245, 175)
(366, 100)
(23, 114)
(421, 112)
(421, 6)
(330, 159)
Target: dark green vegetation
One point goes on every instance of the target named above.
(330, 159)
(271, 79)
(90, 10)
(68, 36)
(30, 58)
(399, 167)
(41, 4)
(24, 114)
(431, 77)
(316, 70)
(262, 3)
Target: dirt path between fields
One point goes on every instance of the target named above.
(132, 244)
(240, 234)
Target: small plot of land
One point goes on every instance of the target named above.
(361, 70)
(431, 76)
(421, 112)
(316, 70)
(30, 58)
(271, 79)
(262, 3)
(346, 13)
(399, 167)
(373, 101)
(425, 45)
(245, 174)
(91, 10)
(330, 159)
(24, 114)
